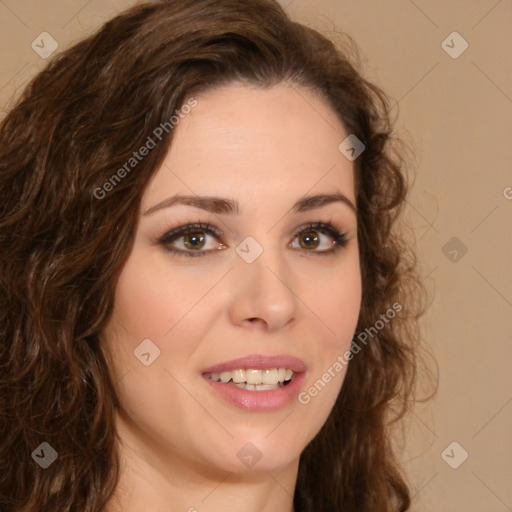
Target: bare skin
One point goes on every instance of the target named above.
(264, 149)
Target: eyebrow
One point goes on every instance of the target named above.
(229, 206)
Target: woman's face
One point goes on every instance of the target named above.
(254, 283)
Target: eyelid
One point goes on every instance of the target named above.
(186, 228)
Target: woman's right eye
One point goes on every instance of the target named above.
(191, 239)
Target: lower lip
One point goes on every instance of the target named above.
(268, 400)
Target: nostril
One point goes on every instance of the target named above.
(256, 320)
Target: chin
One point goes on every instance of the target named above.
(255, 454)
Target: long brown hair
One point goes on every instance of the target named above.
(64, 237)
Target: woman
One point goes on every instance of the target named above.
(205, 302)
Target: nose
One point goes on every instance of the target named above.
(263, 293)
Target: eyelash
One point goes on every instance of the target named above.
(339, 238)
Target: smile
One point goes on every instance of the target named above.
(257, 382)
(254, 380)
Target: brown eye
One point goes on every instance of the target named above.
(319, 238)
(309, 240)
(194, 240)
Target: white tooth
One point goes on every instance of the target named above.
(269, 377)
(225, 376)
(240, 385)
(215, 376)
(289, 374)
(281, 374)
(253, 376)
(238, 376)
(265, 387)
(250, 387)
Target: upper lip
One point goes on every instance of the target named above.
(259, 362)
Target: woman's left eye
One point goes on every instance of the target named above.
(191, 239)
(312, 236)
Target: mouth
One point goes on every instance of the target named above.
(253, 379)
(256, 382)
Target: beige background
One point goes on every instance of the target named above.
(458, 113)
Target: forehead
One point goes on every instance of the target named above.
(241, 141)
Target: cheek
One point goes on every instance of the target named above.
(337, 302)
(338, 305)
(148, 306)
(171, 308)
(151, 300)
(342, 309)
